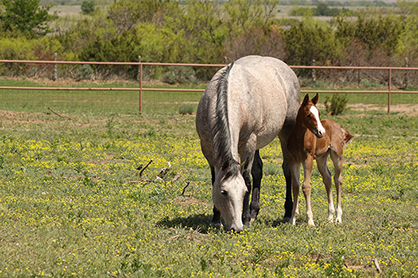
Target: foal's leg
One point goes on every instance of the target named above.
(257, 173)
(216, 220)
(306, 188)
(326, 178)
(295, 169)
(338, 179)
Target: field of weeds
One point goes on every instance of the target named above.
(76, 198)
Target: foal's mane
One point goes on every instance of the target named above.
(221, 133)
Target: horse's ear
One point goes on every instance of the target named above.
(305, 100)
(315, 99)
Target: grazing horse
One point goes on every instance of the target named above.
(314, 139)
(245, 106)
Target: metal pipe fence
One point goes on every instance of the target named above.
(141, 89)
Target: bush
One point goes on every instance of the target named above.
(85, 72)
(336, 105)
(87, 7)
(186, 109)
(180, 75)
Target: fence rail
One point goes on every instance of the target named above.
(141, 89)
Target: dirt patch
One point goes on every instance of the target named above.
(410, 109)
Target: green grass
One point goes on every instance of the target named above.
(73, 202)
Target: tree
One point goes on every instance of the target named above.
(87, 7)
(126, 13)
(243, 14)
(25, 17)
(310, 40)
(408, 40)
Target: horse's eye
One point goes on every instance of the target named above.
(224, 192)
(308, 116)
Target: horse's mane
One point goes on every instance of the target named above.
(221, 133)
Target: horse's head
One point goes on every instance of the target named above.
(228, 194)
(309, 115)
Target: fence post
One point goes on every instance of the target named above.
(405, 80)
(55, 67)
(389, 89)
(313, 73)
(140, 84)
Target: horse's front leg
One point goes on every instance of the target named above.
(245, 209)
(257, 174)
(216, 220)
(306, 188)
(295, 170)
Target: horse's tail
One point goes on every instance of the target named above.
(346, 135)
(221, 133)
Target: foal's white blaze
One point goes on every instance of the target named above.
(320, 128)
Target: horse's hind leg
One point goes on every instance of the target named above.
(257, 173)
(326, 178)
(288, 205)
(216, 220)
(338, 179)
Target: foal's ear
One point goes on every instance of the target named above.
(315, 99)
(305, 100)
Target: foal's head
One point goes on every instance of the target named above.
(309, 116)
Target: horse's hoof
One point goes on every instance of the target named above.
(286, 219)
(217, 225)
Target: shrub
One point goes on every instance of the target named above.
(87, 7)
(186, 109)
(85, 72)
(179, 75)
(336, 105)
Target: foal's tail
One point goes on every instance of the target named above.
(346, 135)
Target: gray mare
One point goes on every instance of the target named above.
(245, 106)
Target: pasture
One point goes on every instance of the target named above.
(74, 202)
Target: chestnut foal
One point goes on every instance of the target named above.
(314, 139)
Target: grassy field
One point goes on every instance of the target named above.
(73, 201)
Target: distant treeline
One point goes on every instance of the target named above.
(203, 32)
(363, 3)
(321, 9)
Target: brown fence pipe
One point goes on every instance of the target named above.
(141, 89)
(191, 90)
(359, 92)
(66, 89)
(110, 63)
(352, 68)
(389, 89)
(194, 65)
